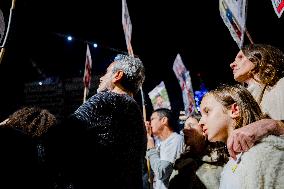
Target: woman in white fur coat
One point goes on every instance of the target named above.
(259, 67)
(230, 107)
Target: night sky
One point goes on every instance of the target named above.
(37, 48)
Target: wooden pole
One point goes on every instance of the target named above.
(13, 4)
(85, 94)
(249, 37)
(131, 53)
(2, 51)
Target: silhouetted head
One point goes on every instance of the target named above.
(32, 121)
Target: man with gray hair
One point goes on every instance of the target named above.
(105, 138)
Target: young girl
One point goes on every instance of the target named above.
(230, 107)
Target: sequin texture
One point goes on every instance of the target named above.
(110, 140)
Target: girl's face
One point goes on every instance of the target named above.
(241, 68)
(215, 119)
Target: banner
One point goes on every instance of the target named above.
(159, 97)
(233, 13)
(184, 79)
(278, 6)
(5, 20)
(88, 68)
(127, 26)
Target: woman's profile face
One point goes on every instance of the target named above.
(241, 68)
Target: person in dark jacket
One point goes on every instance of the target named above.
(102, 144)
(22, 160)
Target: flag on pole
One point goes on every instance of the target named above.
(233, 13)
(127, 26)
(2, 26)
(278, 6)
(184, 79)
(6, 13)
(88, 68)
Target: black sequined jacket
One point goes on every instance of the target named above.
(103, 143)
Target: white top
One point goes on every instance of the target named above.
(260, 167)
(169, 150)
(272, 102)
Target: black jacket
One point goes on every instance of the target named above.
(102, 143)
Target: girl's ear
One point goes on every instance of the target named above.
(235, 112)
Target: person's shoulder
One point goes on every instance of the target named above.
(95, 102)
(281, 80)
(266, 149)
(97, 97)
(273, 141)
(177, 137)
(280, 83)
(109, 96)
(264, 159)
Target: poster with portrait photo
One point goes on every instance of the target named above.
(184, 80)
(179, 70)
(159, 97)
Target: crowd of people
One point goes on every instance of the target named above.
(235, 142)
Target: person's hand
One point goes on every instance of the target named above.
(242, 139)
(150, 139)
(194, 138)
(148, 129)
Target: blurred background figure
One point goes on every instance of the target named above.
(23, 159)
(200, 165)
(163, 125)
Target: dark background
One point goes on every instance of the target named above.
(37, 48)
